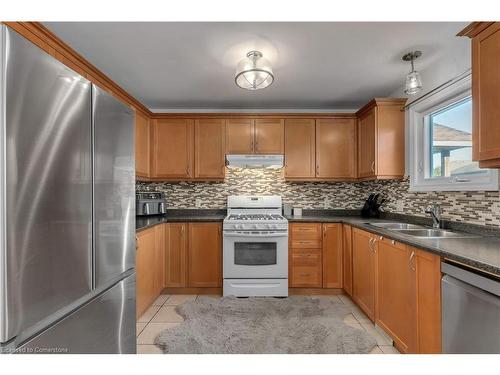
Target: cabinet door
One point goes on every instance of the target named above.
(210, 136)
(300, 149)
(239, 136)
(173, 148)
(336, 148)
(347, 258)
(159, 262)
(176, 255)
(390, 159)
(428, 269)
(366, 143)
(145, 264)
(396, 293)
(142, 149)
(332, 255)
(363, 269)
(486, 95)
(205, 255)
(269, 136)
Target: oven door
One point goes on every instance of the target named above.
(255, 255)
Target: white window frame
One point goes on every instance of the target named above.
(416, 116)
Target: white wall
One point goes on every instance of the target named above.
(438, 67)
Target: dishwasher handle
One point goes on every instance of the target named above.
(471, 277)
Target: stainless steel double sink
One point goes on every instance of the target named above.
(420, 231)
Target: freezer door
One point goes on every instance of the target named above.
(105, 325)
(114, 187)
(45, 167)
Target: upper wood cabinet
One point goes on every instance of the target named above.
(176, 243)
(142, 149)
(332, 255)
(205, 255)
(485, 92)
(336, 148)
(254, 136)
(396, 286)
(269, 136)
(363, 269)
(300, 149)
(173, 148)
(381, 139)
(239, 136)
(209, 149)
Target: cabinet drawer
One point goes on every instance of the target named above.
(306, 231)
(306, 276)
(306, 243)
(306, 258)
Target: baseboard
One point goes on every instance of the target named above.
(213, 291)
(315, 291)
(291, 291)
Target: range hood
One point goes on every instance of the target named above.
(255, 161)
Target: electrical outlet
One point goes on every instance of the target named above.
(198, 203)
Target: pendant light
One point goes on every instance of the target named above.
(254, 72)
(413, 83)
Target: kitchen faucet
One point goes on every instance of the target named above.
(435, 211)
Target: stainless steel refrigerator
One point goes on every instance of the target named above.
(67, 211)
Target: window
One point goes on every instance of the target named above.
(441, 142)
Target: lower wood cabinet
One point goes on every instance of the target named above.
(204, 255)
(395, 293)
(399, 288)
(176, 242)
(347, 258)
(428, 301)
(332, 255)
(159, 269)
(363, 270)
(315, 259)
(145, 266)
(193, 255)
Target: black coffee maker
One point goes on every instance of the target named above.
(371, 207)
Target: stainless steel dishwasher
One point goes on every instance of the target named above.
(470, 310)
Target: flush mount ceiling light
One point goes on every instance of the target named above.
(254, 72)
(413, 83)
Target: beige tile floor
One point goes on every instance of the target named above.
(161, 315)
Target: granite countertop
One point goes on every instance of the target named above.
(176, 216)
(481, 251)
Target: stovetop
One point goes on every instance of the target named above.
(255, 217)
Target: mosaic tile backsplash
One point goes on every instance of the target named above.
(481, 208)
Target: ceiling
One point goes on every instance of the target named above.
(173, 66)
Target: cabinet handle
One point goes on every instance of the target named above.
(411, 266)
(370, 244)
(381, 238)
(373, 166)
(136, 242)
(393, 242)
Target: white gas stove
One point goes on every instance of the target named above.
(255, 249)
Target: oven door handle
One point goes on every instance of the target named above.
(255, 235)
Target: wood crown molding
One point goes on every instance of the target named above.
(474, 28)
(242, 115)
(380, 102)
(42, 37)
